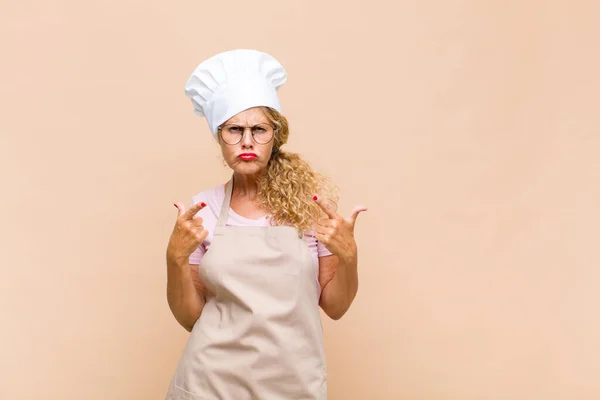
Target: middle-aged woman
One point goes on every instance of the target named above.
(250, 262)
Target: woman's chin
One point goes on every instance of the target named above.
(247, 167)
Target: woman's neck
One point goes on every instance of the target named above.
(246, 185)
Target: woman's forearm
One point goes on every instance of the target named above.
(184, 298)
(339, 293)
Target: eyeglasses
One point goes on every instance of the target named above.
(233, 134)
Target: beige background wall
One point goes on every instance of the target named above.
(469, 128)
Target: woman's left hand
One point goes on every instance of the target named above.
(337, 232)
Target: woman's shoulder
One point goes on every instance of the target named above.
(213, 198)
(209, 194)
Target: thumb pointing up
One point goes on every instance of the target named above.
(354, 215)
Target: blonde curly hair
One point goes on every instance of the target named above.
(286, 190)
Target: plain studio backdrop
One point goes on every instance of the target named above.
(469, 128)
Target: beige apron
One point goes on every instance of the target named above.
(259, 335)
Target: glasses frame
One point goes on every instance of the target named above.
(220, 129)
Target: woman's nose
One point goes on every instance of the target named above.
(247, 138)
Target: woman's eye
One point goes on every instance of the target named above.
(235, 129)
(259, 130)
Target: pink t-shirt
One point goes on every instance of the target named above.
(210, 214)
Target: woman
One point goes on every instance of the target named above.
(251, 261)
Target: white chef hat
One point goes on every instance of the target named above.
(231, 82)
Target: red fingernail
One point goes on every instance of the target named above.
(203, 204)
(175, 205)
(315, 198)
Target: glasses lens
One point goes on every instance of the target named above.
(232, 134)
(262, 133)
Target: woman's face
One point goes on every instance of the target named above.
(250, 155)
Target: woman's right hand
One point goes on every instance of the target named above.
(187, 234)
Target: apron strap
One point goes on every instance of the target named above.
(224, 216)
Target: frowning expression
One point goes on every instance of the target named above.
(246, 141)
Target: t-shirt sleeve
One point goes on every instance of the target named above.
(322, 251)
(315, 245)
(197, 255)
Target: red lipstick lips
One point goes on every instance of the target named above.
(247, 156)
